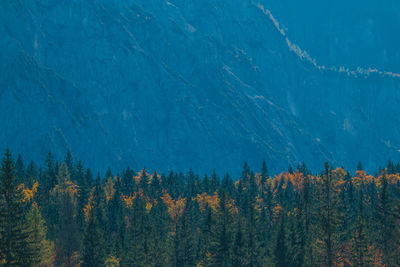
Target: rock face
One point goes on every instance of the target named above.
(179, 84)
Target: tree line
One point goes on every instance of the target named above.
(61, 214)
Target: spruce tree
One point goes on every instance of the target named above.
(359, 244)
(42, 247)
(329, 217)
(65, 196)
(93, 252)
(385, 221)
(240, 256)
(19, 170)
(223, 232)
(280, 249)
(14, 244)
(264, 174)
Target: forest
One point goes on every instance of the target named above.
(60, 213)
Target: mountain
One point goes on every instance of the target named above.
(349, 33)
(179, 84)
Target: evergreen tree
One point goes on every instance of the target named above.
(69, 162)
(360, 166)
(306, 216)
(360, 251)
(223, 232)
(214, 182)
(385, 221)
(280, 249)
(84, 187)
(31, 174)
(93, 252)
(19, 170)
(264, 171)
(253, 247)
(298, 242)
(14, 244)
(42, 247)
(329, 218)
(65, 196)
(240, 257)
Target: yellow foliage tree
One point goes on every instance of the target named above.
(175, 207)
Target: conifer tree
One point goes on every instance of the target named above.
(223, 232)
(65, 196)
(70, 163)
(239, 251)
(31, 174)
(385, 221)
(15, 249)
(214, 182)
(360, 253)
(306, 209)
(253, 244)
(83, 194)
(280, 249)
(264, 174)
(19, 169)
(360, 166)
(42, 247)
(329, 218)
(93, 252)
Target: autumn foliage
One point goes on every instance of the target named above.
(294, 218)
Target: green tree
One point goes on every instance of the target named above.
(264, 174)
(385, 221)
(15, 249)
(280, 249)
(42, 247)
(240, 256)
(93, 252)
(65, 196)
(328, 217)
(19, 170)
(223, 242)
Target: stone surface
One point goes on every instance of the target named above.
(179, 84)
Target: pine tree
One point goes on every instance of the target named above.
(264, 174)
(359, 243)
(81, 181)
(385, 221)
(47, 181)
(182, 242)
(253, 247)
(223, 232)
(31, 174)
(214, 182)
(20, 170)
(15, 249)
(207, 239)
(239, 251)
(360, 166)
(65, 196)
(298, 242)
(329, 218)
(93, 252)
(306, 208)
(227, 185)
(69, 162)
(280, 249)
(396, 215)
(42, 247)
